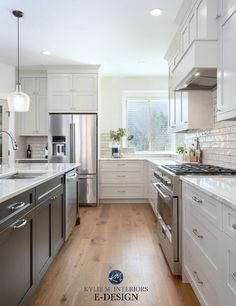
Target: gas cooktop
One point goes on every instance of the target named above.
(184, 169)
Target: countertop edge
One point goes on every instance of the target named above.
(36, 183)
(216, 197)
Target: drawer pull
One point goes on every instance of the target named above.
(197, 278)
(121, 165)
(234, 226)
(121, 175)
(19, 224)
(121, 191)
(196, 233)
(234, 276)
(17, 206)
(197, 200)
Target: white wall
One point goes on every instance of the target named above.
(112, 89)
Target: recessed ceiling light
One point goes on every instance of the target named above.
(156, 12)
(197, 74)
(185, 85)
(46, 52)
(141, 63)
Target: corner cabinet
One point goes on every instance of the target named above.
(190, 110)
(226, 106)
(34, 122)
(72, 92)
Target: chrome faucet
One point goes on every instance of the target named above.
(13, 141)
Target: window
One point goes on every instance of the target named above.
(147, 121)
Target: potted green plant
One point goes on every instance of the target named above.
(116, 137)
(180, 151)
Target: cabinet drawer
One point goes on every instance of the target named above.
(107, 176)
(207, 207)
(16, 206)
(228, 270)
(121, 191)
(229, 221)
(204, 235)
(45, 190)
(205, 289)
(118, 165)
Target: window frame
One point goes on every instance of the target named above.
(145, 96)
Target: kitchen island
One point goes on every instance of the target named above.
(32, 225)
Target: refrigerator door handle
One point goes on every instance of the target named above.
(72, 142)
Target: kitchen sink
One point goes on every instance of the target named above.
(23, 175)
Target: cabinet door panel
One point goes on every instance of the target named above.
(202, 20)
(28, 85)
(85, 82)
(178, 101)
(28, 119)
(42, 115)
(59, 82)
(60, 102)
(228, 65)
(43, 238)
(192, 28)
(172, 109)
(184, 106)
(84, 102)
(42, 86)
(16, 264)
(57, 222)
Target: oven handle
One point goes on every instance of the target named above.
(157, 187)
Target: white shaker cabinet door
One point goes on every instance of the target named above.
(227, 68)
(61, 82)
(28, 119)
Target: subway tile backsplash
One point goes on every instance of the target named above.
(37, 145)
(218, 144)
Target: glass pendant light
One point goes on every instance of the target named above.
(17, 100)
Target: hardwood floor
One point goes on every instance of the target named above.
(116, 236)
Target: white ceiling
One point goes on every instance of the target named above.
(117, 34)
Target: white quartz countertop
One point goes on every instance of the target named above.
(156, 161)
(221, 188)
(12, 187)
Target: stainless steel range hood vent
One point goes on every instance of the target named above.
(199, 79)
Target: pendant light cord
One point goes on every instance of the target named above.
(18, 51)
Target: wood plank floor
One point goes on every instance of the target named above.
(116, 236)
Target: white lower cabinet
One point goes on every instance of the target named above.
(152, 193)
(209, 247)
(122, 179)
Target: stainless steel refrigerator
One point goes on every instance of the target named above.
(73, 138)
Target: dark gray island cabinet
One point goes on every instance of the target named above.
(31, 234)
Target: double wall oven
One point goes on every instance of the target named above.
(169, 206)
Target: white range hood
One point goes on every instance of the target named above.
(197, 69)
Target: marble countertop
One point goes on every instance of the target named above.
(156, 161)
(221, 188)
(12, 187)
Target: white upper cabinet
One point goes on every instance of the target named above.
(72, 92)
(34, 122)
(226, 105)
(190, 110)
(202, 20)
